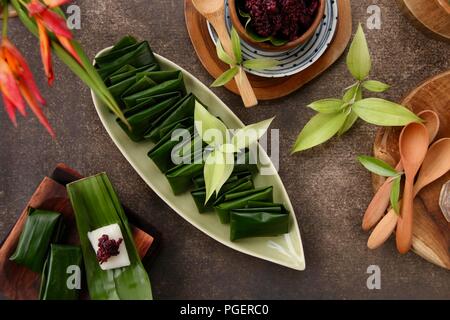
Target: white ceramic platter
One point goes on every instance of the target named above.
(286, 250)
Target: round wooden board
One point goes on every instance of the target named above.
(429, 16)
(431, 230)
(267, 88)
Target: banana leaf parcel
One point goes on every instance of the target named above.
(96, 204)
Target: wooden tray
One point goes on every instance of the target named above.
(431, 230)
(267, 88)
(20, 283)
(429, 16)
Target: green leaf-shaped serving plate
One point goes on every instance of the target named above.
(286, 250)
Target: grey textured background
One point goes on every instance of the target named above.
(329, 190)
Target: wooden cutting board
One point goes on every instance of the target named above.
(267, 88)
(20, 283)
(431, 230)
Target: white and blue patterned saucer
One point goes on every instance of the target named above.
(293, 60)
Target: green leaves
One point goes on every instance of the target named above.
(319, 129)
(384, 113)
(236, 44)
(219, 163)
(377, 166)
(395, 194)
(226, 77)
(223, 55)
(327, 105)
(358, 58)
(375, 86)
(248, 135)
(260, 63)
(218, 168)
(383, 169)
(236, 62)
(208, 126)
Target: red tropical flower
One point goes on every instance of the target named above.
(49, 21)
(17, 84)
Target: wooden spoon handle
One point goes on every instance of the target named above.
(379, 203)
(377, 206)
(383, 230)
(405, 222)
(245, 89)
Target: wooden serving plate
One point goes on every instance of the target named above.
(430, 16)
(431, 232)
(267, 88)
(20, 283)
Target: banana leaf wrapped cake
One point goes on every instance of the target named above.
(157, 107)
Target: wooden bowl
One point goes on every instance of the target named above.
(270, 47)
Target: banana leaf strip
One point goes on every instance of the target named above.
(122, 43)
(150, 102)
(142, 84)
(180, 177)
(113, 55)
(141, 122)
(199, 181)
(185, 109)
(261, 204)
(168, 86)
(199, 195)
(119, 88)
(117, 76)
(161, 153)
(257, 224)
(62, 272)
(239, 200)
(244, 184)
(96, 204)
(139, 57)
(185, 122)
(159, 76)
(41, 228)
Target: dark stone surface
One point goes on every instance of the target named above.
(329, 190)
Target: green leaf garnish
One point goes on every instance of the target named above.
(377, 166)
(358, 58)
(223, 55)
(225, 77)
(395, 194)
(248, 135)
(375, 86)
(236, 44)
(321, 127)
(217, 170)
(260, 63)
(206, 123)
(348, 124)
(384, 113)
(327, 105)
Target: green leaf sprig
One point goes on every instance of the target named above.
(219, 163)
(337, 115)
(383, 169)
(236, 61)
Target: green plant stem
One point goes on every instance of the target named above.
(5, 19)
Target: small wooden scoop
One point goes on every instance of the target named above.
(380, 201)
(214, 12)
(413, 145)
(435, 165)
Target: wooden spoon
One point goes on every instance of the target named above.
(214, 12)
(434, 166)
(380, 201)
(413, 146)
